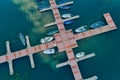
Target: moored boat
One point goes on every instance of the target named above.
(46, 39)
(38, 0)
(81, 29)
(49, 51)
(68, 22)
(66, 15)
(64, 7)
(52, 32)
(97, 24)
(80, 54)
(22, 38)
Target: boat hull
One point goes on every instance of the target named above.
(49, 51)
(52, 32)
(81, 29)
(97, 24)
(22, 38)
(66, 15)
(46, 39)
(64, 7)
(80, 54)
(68, 22)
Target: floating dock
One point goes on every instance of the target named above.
(64, 4)
(65, 40)
(55, 23)
(77, 59)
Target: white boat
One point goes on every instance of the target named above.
(80, 54)
(46, 39)
(49, 51)
(22, 38)
(81, 29)
(97, 24)
(68, 22)
(66, 15)
(64, 7)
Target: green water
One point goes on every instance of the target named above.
(21, 16)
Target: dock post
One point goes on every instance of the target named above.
(10, 61)
(30, 55)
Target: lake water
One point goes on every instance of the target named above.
(21, 16)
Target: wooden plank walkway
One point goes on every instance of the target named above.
(111, 26)
(54, 23)
(64, 40)
(26, 52)
(64, 4)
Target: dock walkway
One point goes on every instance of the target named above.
(65, 40)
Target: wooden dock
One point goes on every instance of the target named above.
(77, 59)
(65, 40)
(111, 26)
(55, 23)
(58, 42)
(64, 4)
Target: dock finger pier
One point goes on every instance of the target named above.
(65, 40)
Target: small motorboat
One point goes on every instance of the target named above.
(49, 51)
(66, 15)
(52, 32)
(46, 39)
(81, 29)
(80, 54)
(68, 22)
(22, 38)
(38, 0)
(97, 24)
(64, 7)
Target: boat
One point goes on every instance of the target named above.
(22, 38)
(52, 32)
(66, 15)
(80, 54)
(64, 7)
(49, 51)
(97, 24)
(68, 22)
(81, 29)
(46, 39)
(38, 0)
